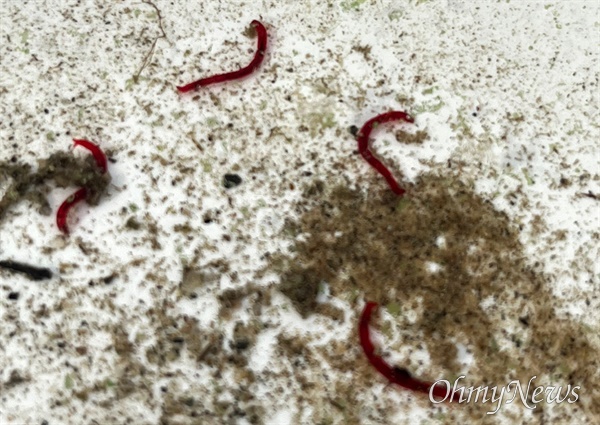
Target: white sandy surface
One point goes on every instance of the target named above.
(509, 88)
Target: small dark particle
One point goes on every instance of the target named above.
(13, 296)
(34, 273)
(353, 130)
(589, 194)
(15, 379)
(133, 224)
(400, 372)
(109, 279)
(231, 180)
(238, 412)
(524, 321)
(242, 344)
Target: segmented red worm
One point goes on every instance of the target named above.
(363, 145)
(81, 194)
(395, 375)
(96, 152)
(261, 33)
(63, 210)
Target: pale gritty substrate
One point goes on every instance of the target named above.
(507, 89)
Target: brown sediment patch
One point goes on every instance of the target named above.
(62, 168)
(484, 294)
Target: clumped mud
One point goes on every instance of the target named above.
(62, 168)
(450, 269)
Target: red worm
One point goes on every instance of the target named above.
(63, 210)
(363, 145)
(261, 32)
(95, 150)
(81, 194)
(395, 375)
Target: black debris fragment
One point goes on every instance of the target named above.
(34, 273)
(231, 180)
(589, 194)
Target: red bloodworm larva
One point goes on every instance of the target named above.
(363, 145)
(96, 152)
(395, 375)
(261, 33)
(63, 210)
(81, 194)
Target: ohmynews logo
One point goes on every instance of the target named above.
(467, 395)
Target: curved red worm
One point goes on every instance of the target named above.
(363, 145)
(63, 210)
(395, 375)
(261, 33)
(81, 194)
(96, 152)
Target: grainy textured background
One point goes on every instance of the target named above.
(138, 325)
